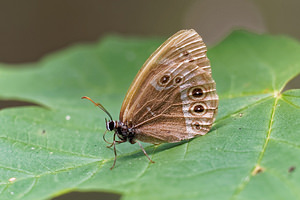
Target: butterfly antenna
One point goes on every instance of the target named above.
(99, 105)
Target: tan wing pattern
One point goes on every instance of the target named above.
(173, 97)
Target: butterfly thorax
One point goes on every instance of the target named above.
(123, 132)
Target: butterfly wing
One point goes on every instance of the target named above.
(173, 97)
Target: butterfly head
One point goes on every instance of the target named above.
(110, 125)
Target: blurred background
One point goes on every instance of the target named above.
(31, 29)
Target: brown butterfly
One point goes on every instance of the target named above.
(172, 98)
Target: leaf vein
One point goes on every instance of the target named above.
(289, 102)
(296, 146)
(15, 169)
(246, 180)
(242, 109)
(186, 150)
(45, 148)
(294, 189)
(30, 188)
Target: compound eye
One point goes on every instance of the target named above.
(111, 125)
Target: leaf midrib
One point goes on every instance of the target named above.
(248, 177)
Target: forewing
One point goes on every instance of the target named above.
(173, 97)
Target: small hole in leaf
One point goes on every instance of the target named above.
(291, 169)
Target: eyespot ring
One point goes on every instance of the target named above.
(196, 126)
(198, 109)
(178, 80)
(164, 80)
(199, 128)
(197, 92)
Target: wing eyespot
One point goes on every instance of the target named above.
(196, 126)
(164, 79)
(198, 109)
(178, 80)
(199, 128)
(197, 93)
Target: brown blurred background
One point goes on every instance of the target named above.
(30, 29)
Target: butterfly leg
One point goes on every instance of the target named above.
(115, 150)
(114, 141)
(145, 152)
(106, 140)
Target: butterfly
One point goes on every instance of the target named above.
(172, 98)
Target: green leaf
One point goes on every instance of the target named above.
(252, 151)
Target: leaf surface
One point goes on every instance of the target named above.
(57, 147)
